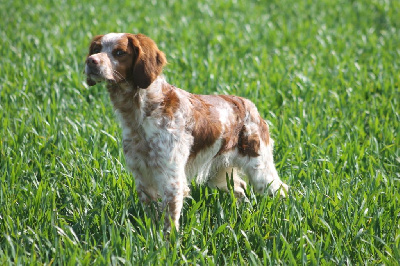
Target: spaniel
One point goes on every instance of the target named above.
(171, 136)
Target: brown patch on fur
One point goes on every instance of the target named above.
(207, 128)
(231, 135)
(248, 144)
(124, 67)
(171, 101)
(149, 60)
(238, 135)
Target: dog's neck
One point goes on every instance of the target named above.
(133, 103)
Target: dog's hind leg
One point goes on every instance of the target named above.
(262, 172)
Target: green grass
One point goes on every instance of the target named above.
(325, 74)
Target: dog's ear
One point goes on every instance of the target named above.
(94, 44)
(148, 60)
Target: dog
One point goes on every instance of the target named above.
(171, 136)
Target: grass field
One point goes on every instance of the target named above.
(325, 74)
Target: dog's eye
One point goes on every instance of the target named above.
(96, 50)
(120, 53)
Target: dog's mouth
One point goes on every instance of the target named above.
(94, 75)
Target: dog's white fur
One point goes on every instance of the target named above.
(171, 136)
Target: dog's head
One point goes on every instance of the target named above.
(124, 58)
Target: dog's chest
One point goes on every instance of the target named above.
(151, 142)
(144, 141)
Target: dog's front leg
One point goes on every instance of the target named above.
(174, 193)
(146, 194)
(149, 198)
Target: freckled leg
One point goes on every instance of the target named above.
(174, 193)
(219, 181)
(148, 197)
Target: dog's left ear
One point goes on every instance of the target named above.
(148, 62)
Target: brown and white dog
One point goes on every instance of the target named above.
(171, 136)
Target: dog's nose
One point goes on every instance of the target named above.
(92, 61)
